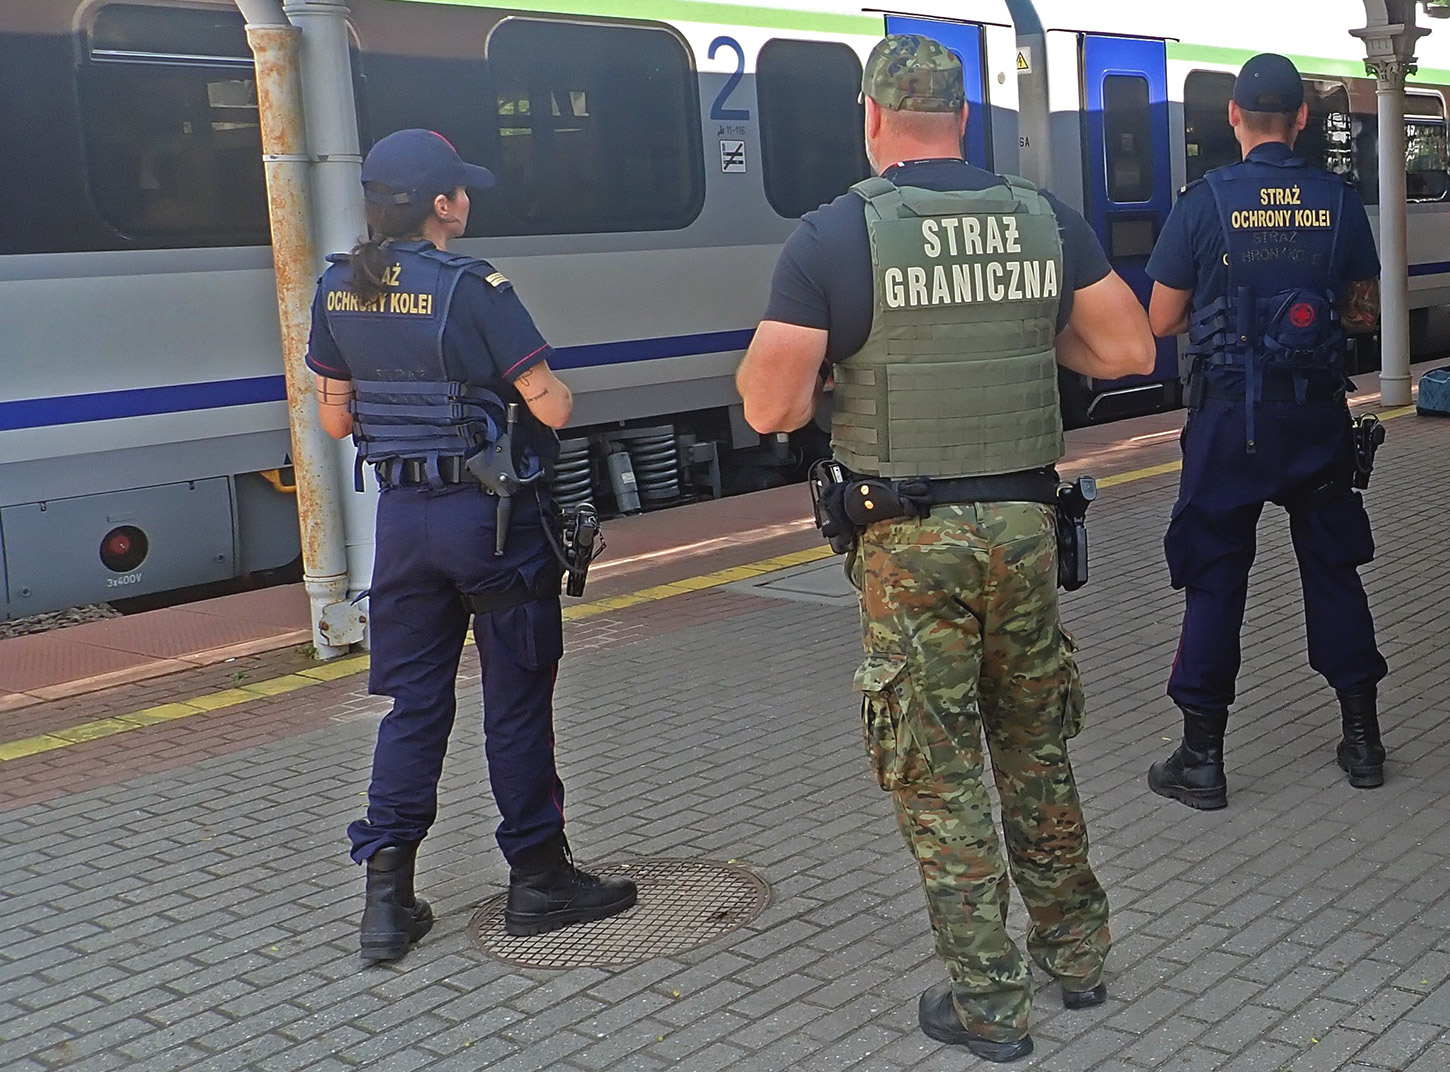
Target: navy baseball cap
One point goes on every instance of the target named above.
(1269, 83)
(419, 165)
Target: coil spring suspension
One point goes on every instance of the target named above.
(573, 482)
(656, 462)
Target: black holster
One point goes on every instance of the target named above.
(1369, 436)
(1072, 503)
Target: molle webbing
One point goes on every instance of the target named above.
(958, 376)
(404, 420)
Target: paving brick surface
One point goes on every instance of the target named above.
(179, 897)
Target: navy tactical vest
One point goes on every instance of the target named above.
(405, 407)
(1278, 315)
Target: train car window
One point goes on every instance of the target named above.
(1208, 140)
(811, 143)
(172, 133)
(1425, 148)
(595, 128)
(1127, 138)
(1327, 141)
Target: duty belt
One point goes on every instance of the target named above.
(1034, 485)
(846, 502)
(408, 472)
(1276, 387)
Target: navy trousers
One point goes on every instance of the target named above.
(433, 545)
(1210, 544)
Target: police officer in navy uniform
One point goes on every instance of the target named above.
(430, 361)
(1266, 264)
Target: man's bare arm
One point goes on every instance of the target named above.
(780, 376)
(1168, 310)
(1107, 335)
(547, 396)
(1360, 309)
(332, 399)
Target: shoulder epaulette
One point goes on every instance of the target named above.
(1184, 189)
(490, 275)
(339, 258)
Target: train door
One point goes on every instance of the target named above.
(1127, 191)
(965, 41)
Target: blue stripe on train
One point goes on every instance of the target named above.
(141, 402)
(182, 397)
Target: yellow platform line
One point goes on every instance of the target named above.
(338, 668)
(170, 712)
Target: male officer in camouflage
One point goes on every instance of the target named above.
(941, 298)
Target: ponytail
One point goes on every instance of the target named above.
(387, 223)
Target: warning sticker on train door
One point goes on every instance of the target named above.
(732, 156)
(1024, 61)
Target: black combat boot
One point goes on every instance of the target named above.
(1193, 774)
(546, 892)
(393, 919)
(1361, 755)
(938, 1018)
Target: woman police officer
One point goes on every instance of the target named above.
(428, 359)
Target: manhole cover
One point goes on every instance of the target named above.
(682, 904)
(815, 582)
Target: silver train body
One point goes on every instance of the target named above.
(651, 167)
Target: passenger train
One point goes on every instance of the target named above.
(651, 163)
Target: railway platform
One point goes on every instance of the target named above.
(175, 891)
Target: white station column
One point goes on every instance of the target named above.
(1389, 44)
(1394, 247)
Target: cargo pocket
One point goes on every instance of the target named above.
(1074, 706)
(886, 709)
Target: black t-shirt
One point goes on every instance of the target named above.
(823, 277)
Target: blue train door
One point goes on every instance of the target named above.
(1128, 189)
(965, 41)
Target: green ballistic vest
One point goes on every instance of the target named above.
(958, 376)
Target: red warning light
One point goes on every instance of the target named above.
(123, 549)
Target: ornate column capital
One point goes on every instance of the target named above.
(1391, 71)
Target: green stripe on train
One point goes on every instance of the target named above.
(698, 11)
(1309, 65)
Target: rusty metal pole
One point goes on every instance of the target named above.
(275, 47)
(339, 223)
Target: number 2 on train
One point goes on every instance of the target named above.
(718, 109)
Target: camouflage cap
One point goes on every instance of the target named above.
(908, 72)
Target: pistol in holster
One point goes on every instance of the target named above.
(827, 481)
(1073, 500)
(1369, 436)
(582, 540)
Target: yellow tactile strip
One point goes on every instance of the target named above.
(331, 671)
(170, 712)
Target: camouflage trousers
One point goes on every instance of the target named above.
(961, 634)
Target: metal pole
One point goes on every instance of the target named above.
(1394, 250)
(1389, 38)
(274, 44)
(332, 137)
